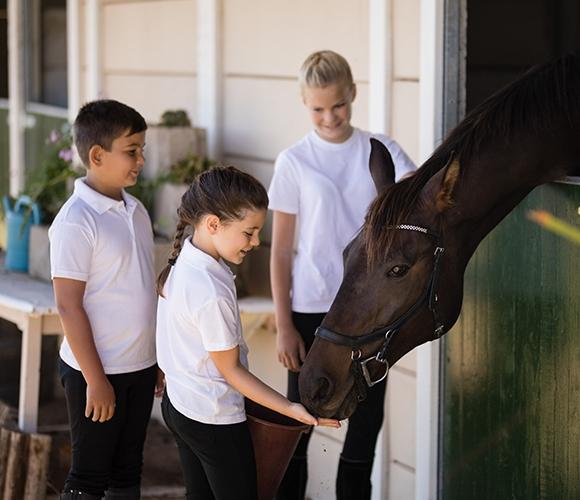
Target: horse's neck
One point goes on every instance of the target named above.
(492, 185)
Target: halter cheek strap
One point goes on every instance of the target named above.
(361, 373)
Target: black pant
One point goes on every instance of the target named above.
(109, 454)
(217, 460)
(361, 437)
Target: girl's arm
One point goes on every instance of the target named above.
(236, 374)
(289, 343)
(69, 302)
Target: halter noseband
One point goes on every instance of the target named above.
(361, 374)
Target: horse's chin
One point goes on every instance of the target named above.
(340, 411)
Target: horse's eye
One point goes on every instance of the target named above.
(397, 271)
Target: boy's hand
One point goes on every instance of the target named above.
(100, 401)
(160, 385)
(300, 413)
(291, 349)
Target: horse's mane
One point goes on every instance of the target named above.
(536, 101)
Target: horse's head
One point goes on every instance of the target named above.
(399, 289)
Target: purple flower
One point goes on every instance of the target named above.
(54, 137)
(66, 154)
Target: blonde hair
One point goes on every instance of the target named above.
(324, 68)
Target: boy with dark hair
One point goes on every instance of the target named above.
(101, 255)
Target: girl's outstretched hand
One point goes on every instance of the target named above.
(298, 412)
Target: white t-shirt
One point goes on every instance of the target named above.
(109, 245)
(329, 187)
(200, 314)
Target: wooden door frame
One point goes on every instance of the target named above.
(442, 106)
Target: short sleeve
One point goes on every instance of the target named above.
(71, 251)
(284, 193)
(218, 325)
(403, 164)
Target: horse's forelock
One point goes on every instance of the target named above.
(389, 209)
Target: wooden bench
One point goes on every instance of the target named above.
(29, 303)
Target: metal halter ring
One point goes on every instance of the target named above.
(367, 375)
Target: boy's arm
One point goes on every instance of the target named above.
(236, 374)
(69, 295)
(290, 346)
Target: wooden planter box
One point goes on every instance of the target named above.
(167, 145)
(166, 203)
(38, 253)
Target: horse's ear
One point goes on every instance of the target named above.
(441, 187)
(381, 166)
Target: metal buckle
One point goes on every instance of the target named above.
(439, 330)
(367, 375)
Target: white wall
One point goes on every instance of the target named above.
(148, 55)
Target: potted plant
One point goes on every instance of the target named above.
(171, 140)
(169, 188)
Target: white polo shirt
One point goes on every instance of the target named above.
(199, 314)
(329, 187)
(109, 245)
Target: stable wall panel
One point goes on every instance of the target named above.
(151, 95)
(401, 483)
(151, 36)
(264, 116)
(323, 455)
(406, 16)
(405, 118)
(273, 37)
(408, 362)
(401, 407)
(264, 363)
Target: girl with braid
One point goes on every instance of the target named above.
(200, 346)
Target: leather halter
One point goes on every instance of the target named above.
(361, 374)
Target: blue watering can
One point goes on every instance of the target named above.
(18, 231)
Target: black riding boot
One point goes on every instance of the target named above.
(293, 485)
(353, 480)
(78, 495)
(131, 493)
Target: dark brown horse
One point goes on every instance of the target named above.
(403, 273)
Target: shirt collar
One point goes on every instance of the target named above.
(100, 202)
(196, 256)
(335, 146)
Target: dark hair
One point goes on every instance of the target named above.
(101, 122)
(222, 191)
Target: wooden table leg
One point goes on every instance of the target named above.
(30, 374)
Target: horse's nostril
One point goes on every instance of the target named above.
(323, 389)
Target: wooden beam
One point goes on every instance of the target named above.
(16, 95)
(428, 355)
(30, 374)
(37, 466)
(73, 57)
(380, 65)
(15, 467)
(209, 74)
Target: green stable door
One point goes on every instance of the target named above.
(511, 384)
